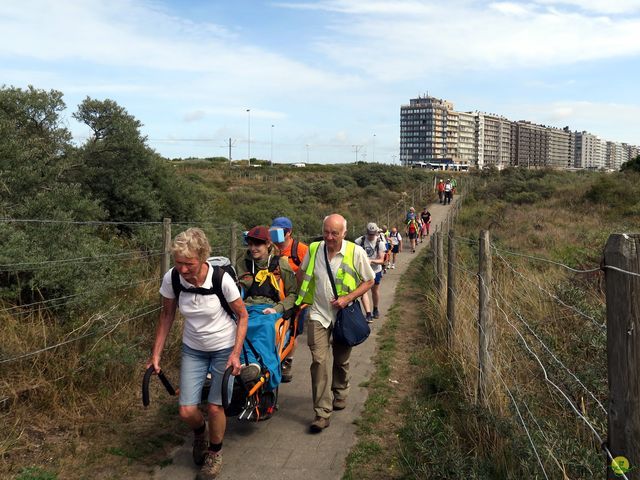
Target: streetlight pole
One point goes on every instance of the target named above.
(272, 143)
(249, 136)
(373, 149)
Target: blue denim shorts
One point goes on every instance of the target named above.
(194, 367)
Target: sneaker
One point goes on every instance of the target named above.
(212, 466)
(319, 424)
(393, 265)
(250, 373)
(287, 375)
(200, 448)
(376, 313)
(339, 403)
(369, 318)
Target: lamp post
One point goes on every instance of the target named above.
(272, 143)
(307, 146)
(373, 149)
(249, 136)
(393, 159)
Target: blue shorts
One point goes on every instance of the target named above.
(194, 366)
(378, 278)
(395, 248)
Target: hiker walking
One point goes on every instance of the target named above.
(353, 277)
(448, 192)
(211, 341)
(375, 248)
(295, 251)
(440, 189)
(396, 245)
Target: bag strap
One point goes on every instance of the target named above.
(333, 282)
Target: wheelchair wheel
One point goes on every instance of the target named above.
(268, 404)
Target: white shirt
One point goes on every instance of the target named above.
(370, 249)
(321, 309)
(207, 325)
(395, 240)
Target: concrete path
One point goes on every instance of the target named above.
(282, 447)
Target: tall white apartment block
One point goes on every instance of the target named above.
(467, 142)
(494, 140)
(590, 151)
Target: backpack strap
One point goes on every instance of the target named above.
(216, 287)
(294, 252)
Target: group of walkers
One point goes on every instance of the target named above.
(273, 278)
(446, 189)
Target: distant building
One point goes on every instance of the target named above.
(434, 135)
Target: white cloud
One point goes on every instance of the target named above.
(598, 6)
(460, 35)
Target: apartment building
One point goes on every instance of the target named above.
(425, 126)
(468, 148)
(432, 131)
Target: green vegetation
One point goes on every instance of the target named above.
(564, 217)
(81, 235)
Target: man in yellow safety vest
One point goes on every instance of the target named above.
(353, 277)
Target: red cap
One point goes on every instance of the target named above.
(259, 233)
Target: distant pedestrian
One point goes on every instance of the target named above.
(353, 277)
(425, 215)
(448, 192)
(375, 247)
(395, 239)
(440, 189)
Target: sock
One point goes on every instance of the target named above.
(200, 430)
(215, 447)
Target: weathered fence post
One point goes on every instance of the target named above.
(623, 349)
(165, 259)
(451, 289)
(440, 263)
(486, 329)
(233, 243)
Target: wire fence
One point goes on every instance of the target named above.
(550, 346)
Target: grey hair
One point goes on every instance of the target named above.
(192, 243)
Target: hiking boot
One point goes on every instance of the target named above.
(212, 466)
(287, 374)
(319, 424)
(369, 318)
(376, 313)
(339, 403)
(200, 448)
(250, 373)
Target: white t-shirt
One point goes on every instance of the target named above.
(370, 249)
(321, 309)
(207, 325)
(395, 239)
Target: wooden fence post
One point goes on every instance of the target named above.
(440, 263)
(486, 329)
(451, 289)
(623, 349)
(165, 259)
(233, 243)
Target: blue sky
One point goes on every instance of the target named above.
(328, 74)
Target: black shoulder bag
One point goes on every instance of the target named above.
(351, 328)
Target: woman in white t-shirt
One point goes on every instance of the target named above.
(211, 341)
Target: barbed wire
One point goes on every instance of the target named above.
(84, 260)
(76, 295)
(75, 339)
(550, 352)
(556, 298)
(548, 380)
(546, 260)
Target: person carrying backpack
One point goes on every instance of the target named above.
(295, 251)
(440, 189)
(212, 340)
(448, 192)
(375, 247)
(412, 233)
(425, 215)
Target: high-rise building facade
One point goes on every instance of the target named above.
(431, 131)
(424, 130)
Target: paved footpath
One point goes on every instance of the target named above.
(282, 447)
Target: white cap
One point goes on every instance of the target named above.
(372, 227)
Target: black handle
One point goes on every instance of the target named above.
(145, 385)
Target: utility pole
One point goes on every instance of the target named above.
(249, 136)
(229, 151)
(357, 147)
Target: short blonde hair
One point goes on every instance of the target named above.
(192, 243)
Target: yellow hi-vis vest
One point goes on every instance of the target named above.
(346, 277)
